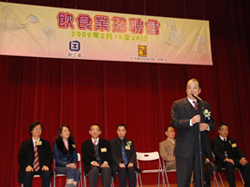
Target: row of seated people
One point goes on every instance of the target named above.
(99, 156)
(227, 155)
(118, 155)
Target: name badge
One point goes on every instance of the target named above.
(127, 147)
(103, 149)
(234, 145)
(39, 143)
(73, 145)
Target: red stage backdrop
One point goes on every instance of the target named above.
(79, 93)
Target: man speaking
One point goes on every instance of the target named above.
(191, 116)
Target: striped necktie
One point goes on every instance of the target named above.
(36, 159)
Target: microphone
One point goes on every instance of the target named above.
(197, 97)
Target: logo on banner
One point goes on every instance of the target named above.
(74, 45)
(142, 50)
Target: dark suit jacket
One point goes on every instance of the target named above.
(116, 153)
(181, 113)
(89, 155)
(219, 150)
(26, 156)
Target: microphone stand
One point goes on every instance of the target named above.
(199, 102)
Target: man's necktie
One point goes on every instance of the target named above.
(172, 141)
(95, 142)
(124, 156)
(195, 105)
(36, 159)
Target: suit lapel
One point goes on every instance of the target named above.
(31, 146)
(91, 146)
(189, 108)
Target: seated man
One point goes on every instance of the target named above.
(123, 157)
(228, 155)
(96, 157)
(167, 153)
(167, 148)
(35, 158)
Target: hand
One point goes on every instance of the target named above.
(121, 165)
(229, 160)
(71, 165)
(94, 163)
(196, 119)
(130, 165)
(203, 126)
(243, 161)
(45, 168)
(105, 165)
(29, 168)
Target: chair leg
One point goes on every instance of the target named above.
(241, 177)
(166, 176)
(221, 179)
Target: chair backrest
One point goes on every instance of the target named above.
(149, 156)
(78, 157)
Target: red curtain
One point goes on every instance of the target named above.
(80, 92)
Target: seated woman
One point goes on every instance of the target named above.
(65, 155)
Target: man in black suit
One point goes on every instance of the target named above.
(123, 157)
(30, 163)
(190, 118)
(96, 157)
(228, 155)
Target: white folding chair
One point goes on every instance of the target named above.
(224, 170)
(79, 167)
(241, 177)
(35, 176)
(150, 156)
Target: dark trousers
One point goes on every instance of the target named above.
(69, 172)
(93, 176)
(209, 168)
(125, 173)
(184, 168)
(229, 169)
(45, 175)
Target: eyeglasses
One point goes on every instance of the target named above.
(37, 129)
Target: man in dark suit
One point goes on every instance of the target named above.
(123, 157)
(96, 157)
(35, 157)
(228, 155)
(190, 118)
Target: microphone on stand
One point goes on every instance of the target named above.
(197, 97)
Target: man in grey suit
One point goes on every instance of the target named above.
(167, 148)
(190, 118)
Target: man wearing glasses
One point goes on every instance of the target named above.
(35, 158)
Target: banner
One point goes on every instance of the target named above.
(38, 31)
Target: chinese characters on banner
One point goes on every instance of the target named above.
(78, 34)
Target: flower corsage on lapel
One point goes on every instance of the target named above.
(128, 145)
(207, 114)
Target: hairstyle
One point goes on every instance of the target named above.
(94, 125)
(194, 79)
(121, 125)
(58, 140)
(32, 126)
(220, 125)
(166, 129)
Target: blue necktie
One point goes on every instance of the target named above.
(124, 156)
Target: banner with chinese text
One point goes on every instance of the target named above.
(38, 31)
